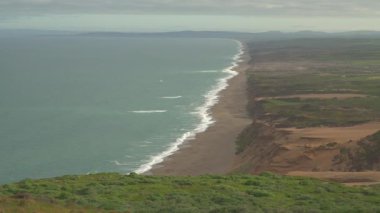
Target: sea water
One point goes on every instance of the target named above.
(79, 105)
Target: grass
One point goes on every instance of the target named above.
(235, 193)
(294, 112)
(25, 204)
(329, 66)
(267, 84)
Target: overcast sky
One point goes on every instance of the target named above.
(165, 15)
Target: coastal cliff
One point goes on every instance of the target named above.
(314, 105)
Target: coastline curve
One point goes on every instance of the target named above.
(203, 111)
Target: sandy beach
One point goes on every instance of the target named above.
(213, 151)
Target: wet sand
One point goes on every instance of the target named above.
(213, 151)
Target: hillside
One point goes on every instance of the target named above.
(246, 36)
(315, 105)
(236, 193)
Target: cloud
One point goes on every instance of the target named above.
(212, 7)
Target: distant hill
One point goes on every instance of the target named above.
(270, 35)
(183, 34)
(28, 32)
(260, 36)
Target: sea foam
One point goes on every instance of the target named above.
(207, 71)
(148, 111)
(171, 97)
(203, 111)
(117, 163)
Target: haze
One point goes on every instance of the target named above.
(172, 15)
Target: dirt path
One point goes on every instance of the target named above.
(334, 134)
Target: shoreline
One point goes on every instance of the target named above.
(210, 148)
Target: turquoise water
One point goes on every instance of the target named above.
(77, 105)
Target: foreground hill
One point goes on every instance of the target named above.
(135, 193)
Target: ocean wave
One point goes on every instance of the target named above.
(171, 97)
(211, 98)
(207, 71)
(117, 163)
(148, 111)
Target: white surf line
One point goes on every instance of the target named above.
(148, 111)
(211, 98)
(117, 163)
(171, 97)
(207, 71)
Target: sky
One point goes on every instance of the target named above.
(176, 15)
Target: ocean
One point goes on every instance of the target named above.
(80, 105)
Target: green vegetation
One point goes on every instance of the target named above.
(249, 132)
(368, 157)
(313, 112)
(28, 204)
(362, 158)
(316, 66)
(311, 83)
(320, 80)
(238, 193)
